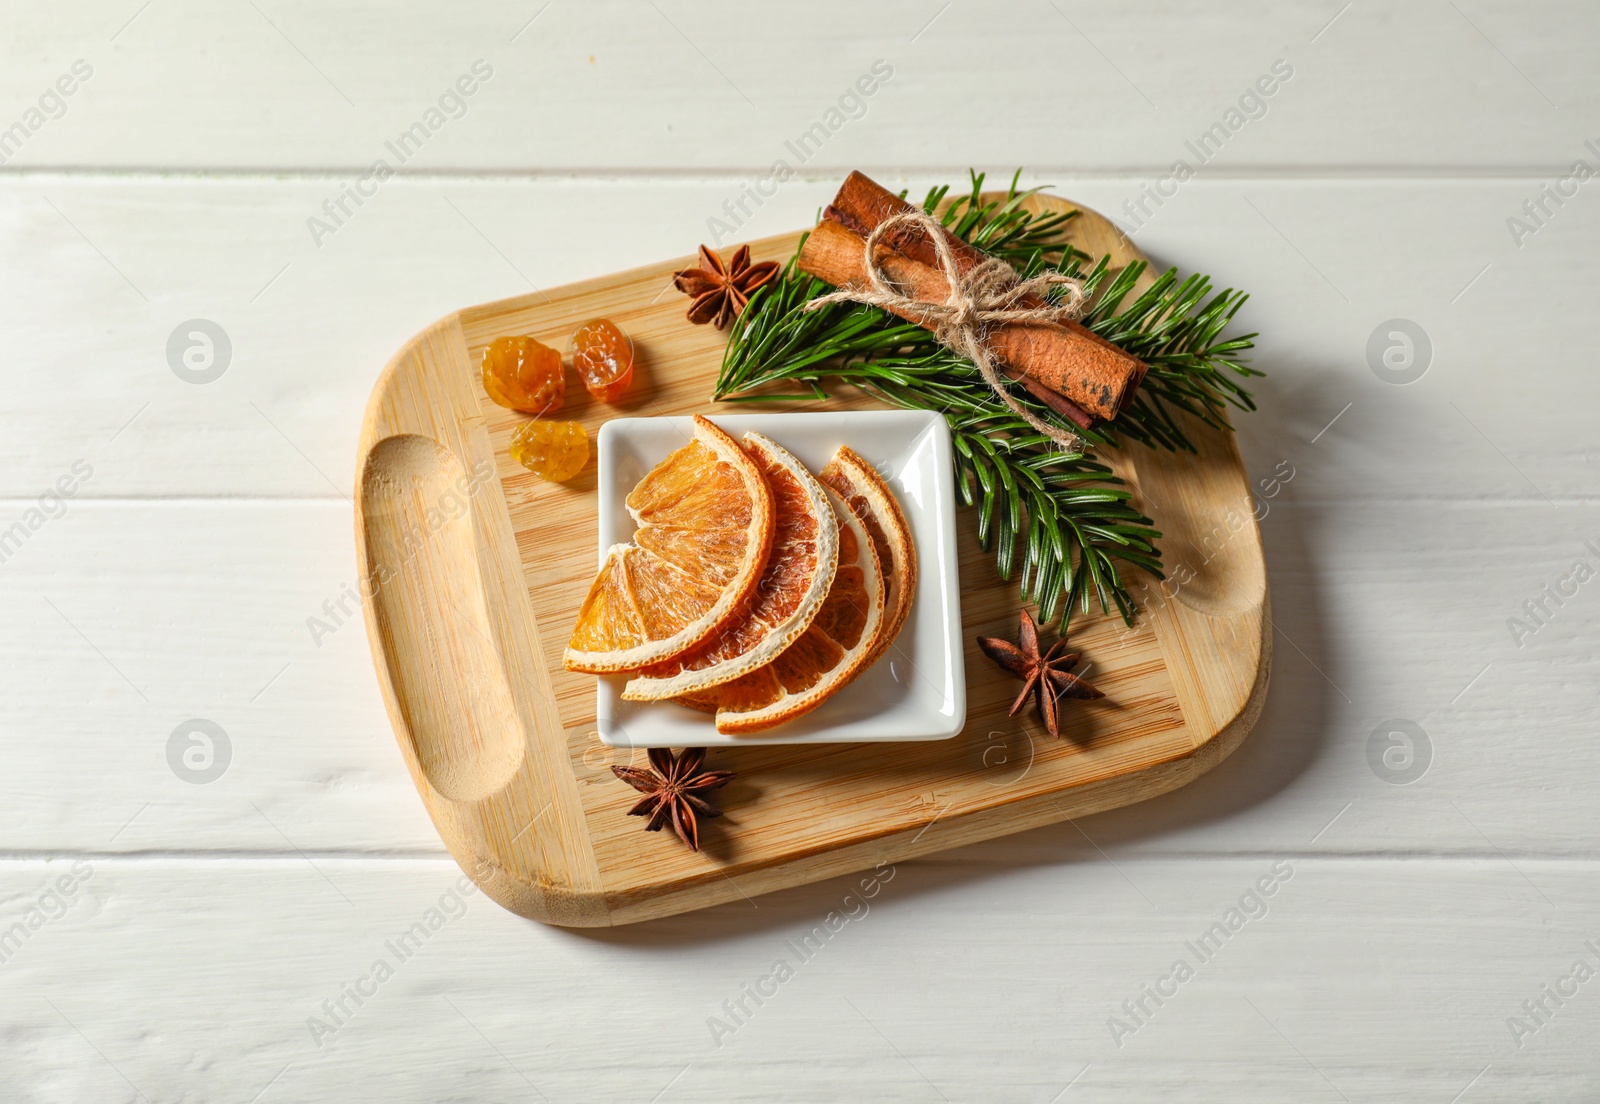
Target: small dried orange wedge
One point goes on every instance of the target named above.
(705, 525)
(827, 656)
(793, 586)
(868, 497)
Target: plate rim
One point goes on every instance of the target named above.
(943, 725)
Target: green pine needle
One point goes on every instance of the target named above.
(1063, 514)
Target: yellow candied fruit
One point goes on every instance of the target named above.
(522, 374)
(556, 451)
(603, 358)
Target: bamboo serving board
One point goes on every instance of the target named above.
(476, 568)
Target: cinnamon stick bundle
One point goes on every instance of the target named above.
(1075, 372)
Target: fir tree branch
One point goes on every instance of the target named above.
(1067, 515)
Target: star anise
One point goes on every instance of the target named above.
(672, 791)
(721, 290)
(1045, 675)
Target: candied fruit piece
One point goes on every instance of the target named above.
(521, 373)
(603, 359)
(551, 450)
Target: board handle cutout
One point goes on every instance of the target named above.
(422, 571)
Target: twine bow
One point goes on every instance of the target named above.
(986, 295)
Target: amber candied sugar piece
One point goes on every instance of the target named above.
(523, 374)
(556, 451)
(602, 356)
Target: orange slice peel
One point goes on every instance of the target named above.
(867, 495)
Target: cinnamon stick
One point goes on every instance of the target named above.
(1054, 357)
(862, 203)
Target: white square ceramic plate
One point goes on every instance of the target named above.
(917, 689)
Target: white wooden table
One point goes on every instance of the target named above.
(183, 939)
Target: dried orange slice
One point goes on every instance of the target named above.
(826, 658)
(705, 524)
(799, 571)
(868, 496)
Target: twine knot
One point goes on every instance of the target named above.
(989, 294)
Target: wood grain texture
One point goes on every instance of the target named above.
(470, 664)
(491, 1004)
(204, 606)
(619, 86)
(181, 578)
(308, 322)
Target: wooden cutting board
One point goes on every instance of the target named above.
(476, 569)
